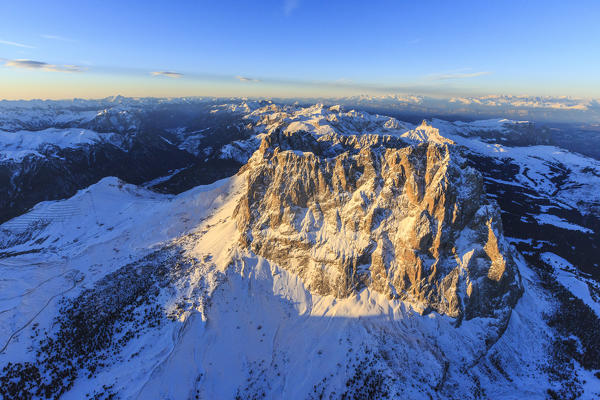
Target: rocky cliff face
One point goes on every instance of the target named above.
(409, 221)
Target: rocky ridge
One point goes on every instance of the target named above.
(409, 221)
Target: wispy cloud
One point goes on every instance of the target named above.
(246, 79)
(168, 74)
(9, 43)
(57, 37)
(39, 65)
(457, 75)
(289, 6)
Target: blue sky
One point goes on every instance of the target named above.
(298, 48)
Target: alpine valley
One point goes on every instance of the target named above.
(198, 248)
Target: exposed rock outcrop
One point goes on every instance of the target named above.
(410, 221)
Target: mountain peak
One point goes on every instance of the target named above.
(410, 222)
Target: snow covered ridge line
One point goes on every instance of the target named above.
(127, 115)
(549, 102)
(408, 98)
(541, 109)
(107, 101)
(43, 126)
(123, 114)
(538, 108)
(548, 109)
(552, 102)
(14, 146)
(322, 120)
(316, 119)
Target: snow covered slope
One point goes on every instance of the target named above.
(119, 290)
(17, 145)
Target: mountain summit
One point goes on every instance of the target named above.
(410, 222)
